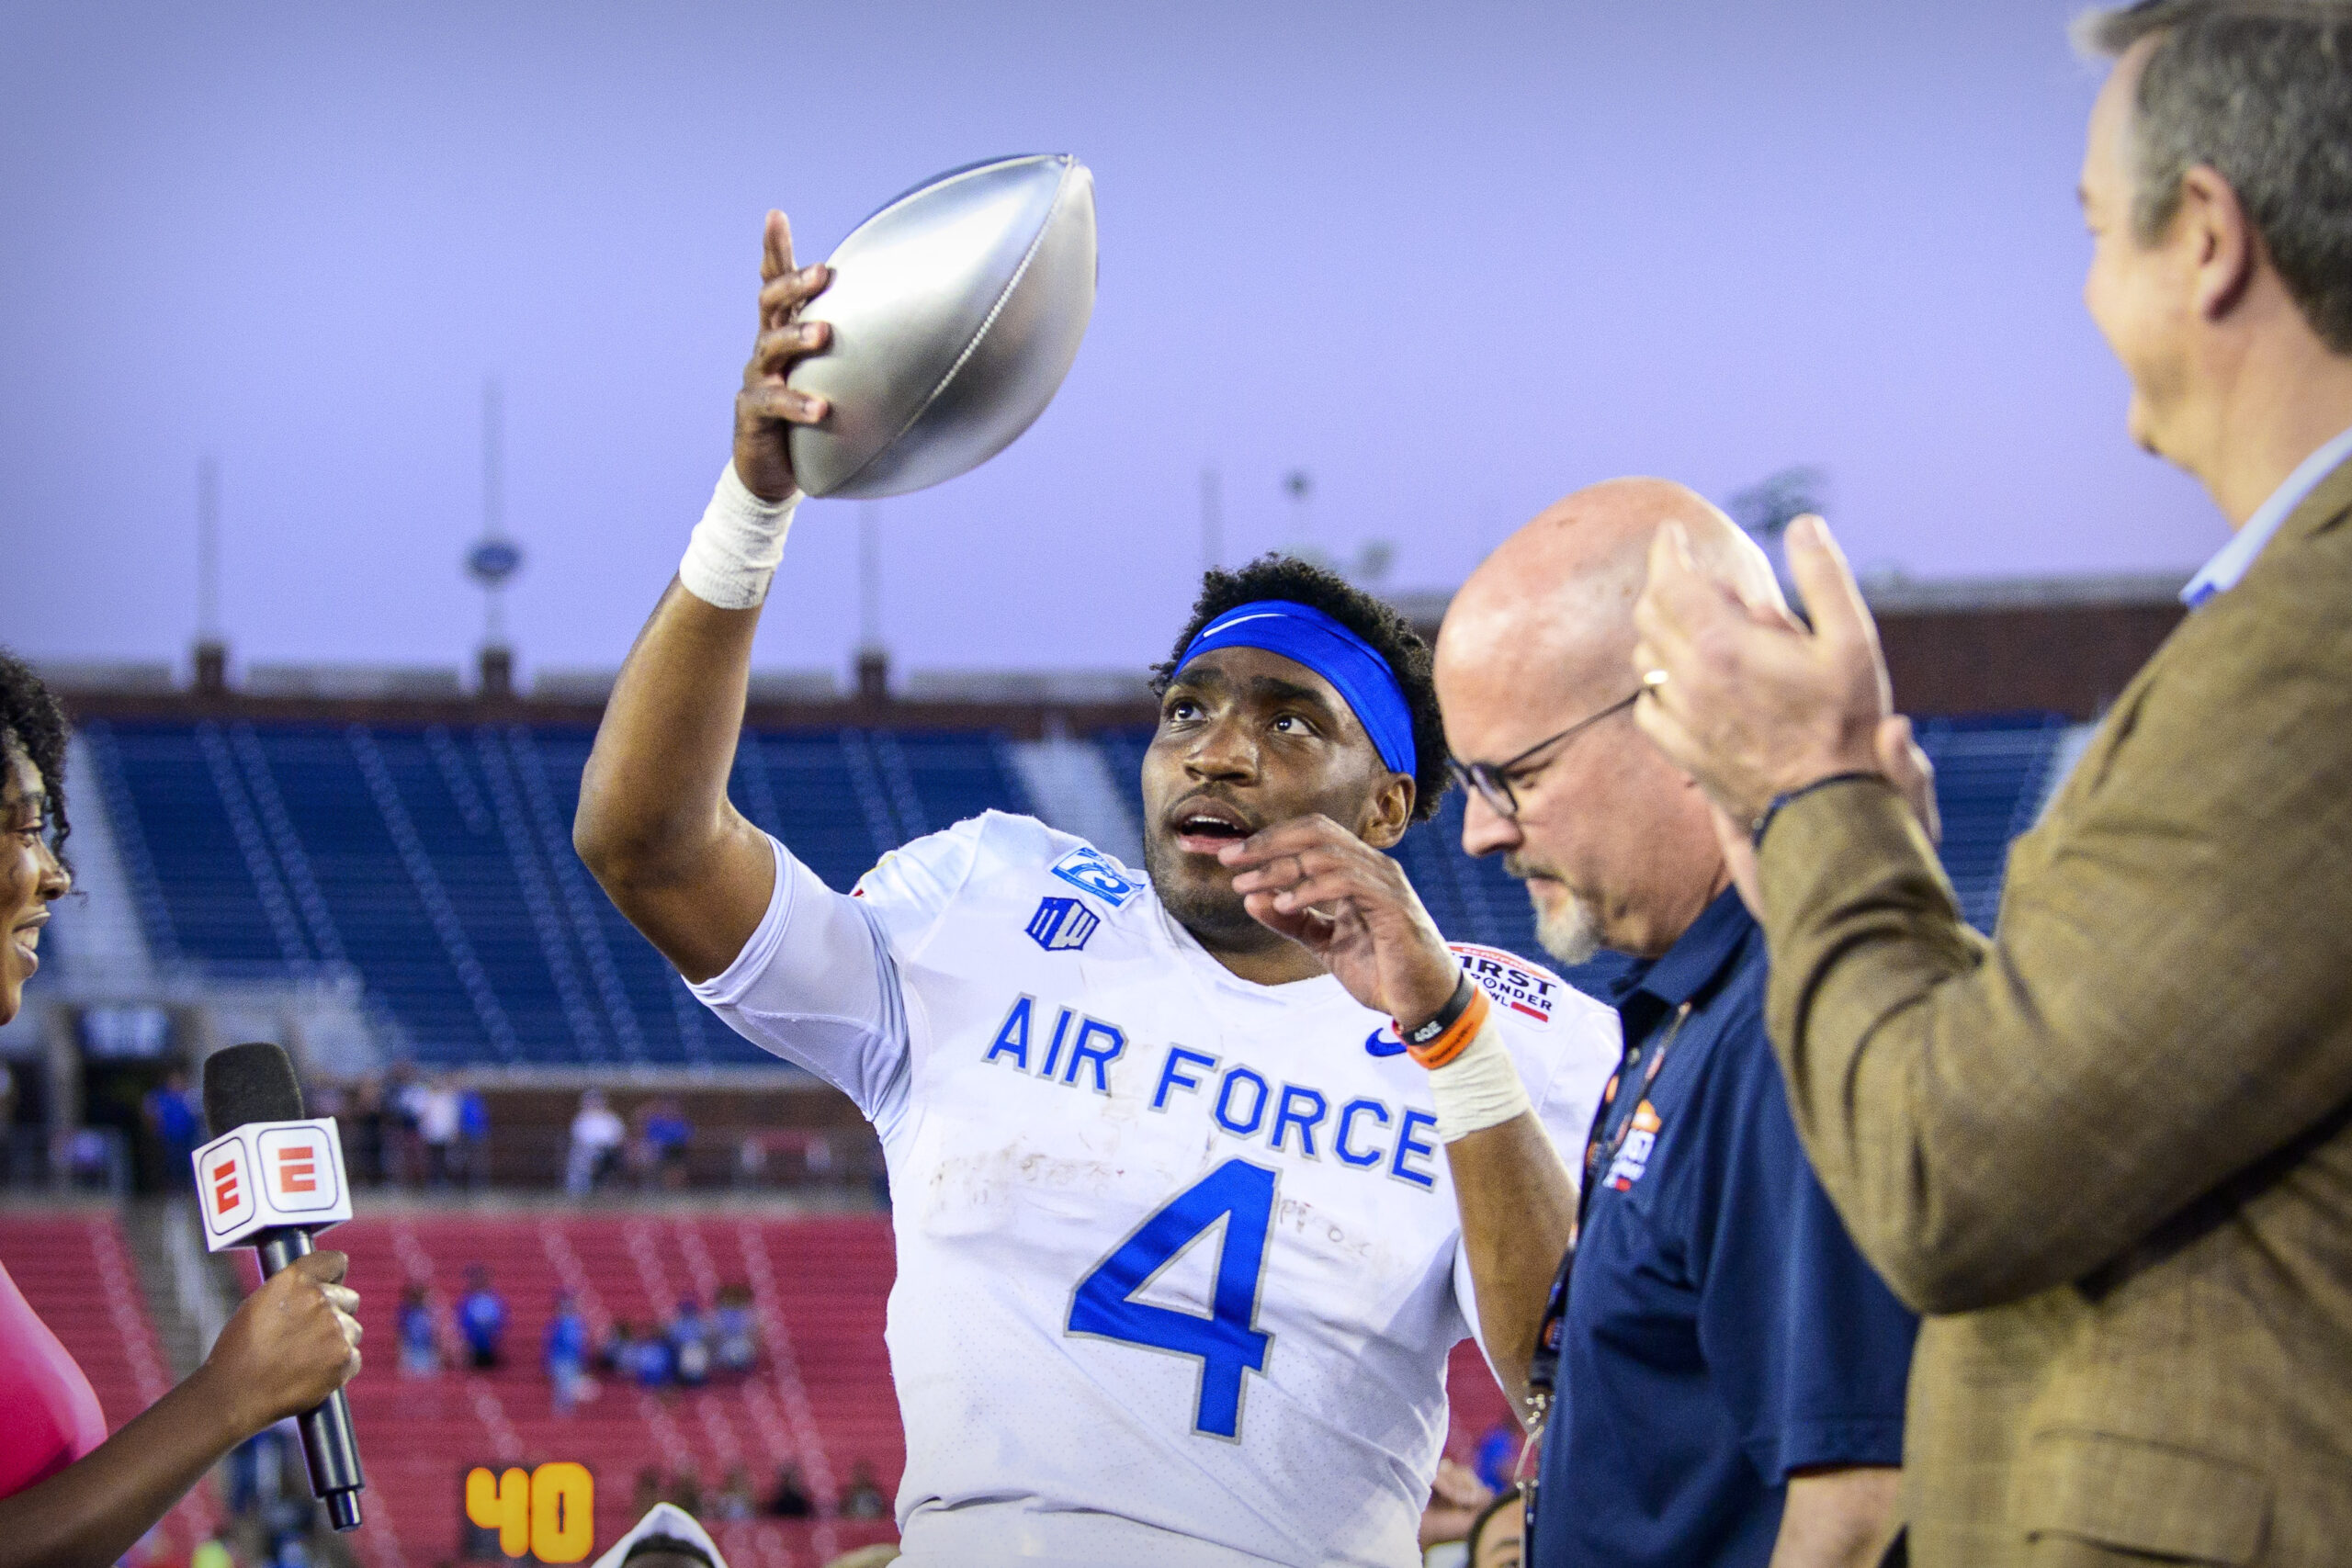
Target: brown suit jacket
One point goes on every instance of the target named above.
(2109, 1152)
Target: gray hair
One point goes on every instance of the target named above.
(2261, 91)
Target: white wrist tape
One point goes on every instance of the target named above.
(1479, 1088)
(733, 554)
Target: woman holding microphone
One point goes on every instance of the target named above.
(70, 1496)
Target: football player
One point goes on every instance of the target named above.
(1175, 1156)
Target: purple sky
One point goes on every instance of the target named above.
(1453, 261)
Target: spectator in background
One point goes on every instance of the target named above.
(597, 1138)
(256, 1472)
(1456, 1498)
(1497, 1457)
(88, 1160)
(481, 1319)
(420, 1358)
(617, 1354)
(1498, 1535)
(735, 1333)
(661, 1141)
(473, 1138)
(567, 1352)
(436, 1130)
(650, 1359)
(175, 1124)
(790, 1500)
(863, 1500)
(690, 1345)
(733, 1501)
(363, 1132)
(403, 1101)
(685, 1489)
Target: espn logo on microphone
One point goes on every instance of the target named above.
(268, 1174)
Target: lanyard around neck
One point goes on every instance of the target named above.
(1602, 1148)
(1543, 1367)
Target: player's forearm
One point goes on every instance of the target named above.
(1519, 1206)
(653, 799)
(1837, 1518)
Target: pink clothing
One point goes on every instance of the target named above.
(53, 1415)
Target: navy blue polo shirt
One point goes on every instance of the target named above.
(1722, 1330)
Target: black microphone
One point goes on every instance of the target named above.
(242, 1084)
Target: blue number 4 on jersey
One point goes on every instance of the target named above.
(1228, 1341)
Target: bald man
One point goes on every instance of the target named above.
(1729, 1372)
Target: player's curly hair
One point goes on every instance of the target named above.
(30, 717)
(1278, 576)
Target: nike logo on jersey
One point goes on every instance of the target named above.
(1382, 1042)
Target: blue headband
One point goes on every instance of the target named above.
(1353, 666)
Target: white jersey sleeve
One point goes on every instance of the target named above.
(818, 983)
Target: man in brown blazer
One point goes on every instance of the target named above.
(2109, 1151)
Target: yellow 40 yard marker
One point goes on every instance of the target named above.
(548, 1513)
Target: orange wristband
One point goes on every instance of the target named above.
(1457, 1037)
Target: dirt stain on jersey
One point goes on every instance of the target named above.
(968, 1189)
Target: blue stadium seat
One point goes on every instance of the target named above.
(438, 861)
(1992, 775)
(437, 864)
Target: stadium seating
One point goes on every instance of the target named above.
(74, 1269)
(1992, 777)
(821, 1398)
(438, 861)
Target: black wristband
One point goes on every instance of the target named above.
(1755, 833)
(1455, 1006)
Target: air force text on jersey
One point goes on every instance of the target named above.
(1179, 1261)
(1240, 1096)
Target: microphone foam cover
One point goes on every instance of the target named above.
(250, 1083)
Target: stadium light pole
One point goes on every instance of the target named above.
(495, 558)
(211, 652)
(873, 658)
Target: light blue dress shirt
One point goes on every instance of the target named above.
(2232, 560)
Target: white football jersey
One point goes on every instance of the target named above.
(1179, 1264)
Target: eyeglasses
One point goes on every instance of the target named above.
(1492, 780)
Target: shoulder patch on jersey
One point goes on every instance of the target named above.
(1062, 925)
(1511, 981)
(1090, 870)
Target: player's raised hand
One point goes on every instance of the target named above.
(1352, 907)
(766, 409)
